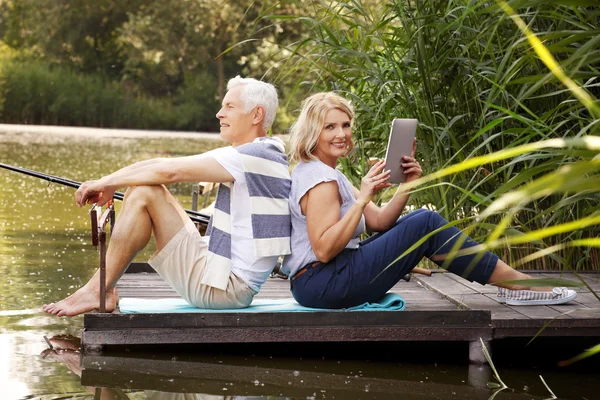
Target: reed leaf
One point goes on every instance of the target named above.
(542, 282)
(588, 353)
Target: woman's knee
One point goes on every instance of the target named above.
(426, 219)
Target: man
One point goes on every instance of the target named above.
(250, 227)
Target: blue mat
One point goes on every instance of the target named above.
(389, 302)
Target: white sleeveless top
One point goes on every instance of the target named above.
(305, 176)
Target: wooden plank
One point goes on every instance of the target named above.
(317, 318)
(498, 311)
(587, 299)
(557, 327)
(277, 334)
(444, 283)
(541, 312)
(578, 311)
(443, 286)
(539, 322)
(476, 287)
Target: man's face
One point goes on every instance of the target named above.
(234, 120)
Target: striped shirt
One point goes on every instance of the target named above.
(266, 174)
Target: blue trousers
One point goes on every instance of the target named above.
(356, 276)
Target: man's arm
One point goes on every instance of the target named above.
(158, 171)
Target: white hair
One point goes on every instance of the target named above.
(257, 93)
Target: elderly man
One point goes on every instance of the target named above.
(248, 231)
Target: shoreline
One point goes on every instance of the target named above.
(104, 132)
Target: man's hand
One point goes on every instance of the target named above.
(91, 192)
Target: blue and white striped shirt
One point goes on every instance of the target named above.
(267, 181)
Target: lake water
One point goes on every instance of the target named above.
(46, 253)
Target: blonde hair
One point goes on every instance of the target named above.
(305, 132)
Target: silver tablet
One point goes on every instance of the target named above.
(400, 144)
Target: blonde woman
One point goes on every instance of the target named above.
(329, 266)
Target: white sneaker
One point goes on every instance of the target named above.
(501, 296)
(558, 295)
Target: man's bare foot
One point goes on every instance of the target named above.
(65, 342)
(82, 301)
(66, 351)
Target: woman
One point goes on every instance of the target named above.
(329, 267)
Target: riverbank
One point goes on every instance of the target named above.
(102, 132)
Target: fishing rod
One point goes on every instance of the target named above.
(194, 215)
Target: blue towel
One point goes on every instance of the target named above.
(389, 302)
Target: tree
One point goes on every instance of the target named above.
(81, 35)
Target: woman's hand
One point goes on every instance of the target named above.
(412, 168)
(373, 182)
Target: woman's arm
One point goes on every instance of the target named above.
(381, 219)
(328, 234)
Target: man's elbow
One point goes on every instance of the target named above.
(169, 174)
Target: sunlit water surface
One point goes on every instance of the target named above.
(46, 253)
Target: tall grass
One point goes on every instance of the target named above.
(474, 81)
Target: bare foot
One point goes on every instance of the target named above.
(69, 357)
(82, 301)
(64, 342)
(66, 350)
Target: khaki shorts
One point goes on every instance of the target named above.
(182, 262)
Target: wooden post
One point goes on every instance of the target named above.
(99, 238)
(195, 197)
(112, 217)
(102, 237)
(94, 220)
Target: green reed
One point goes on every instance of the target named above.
(477, 86)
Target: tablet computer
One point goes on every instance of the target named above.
(399, 145)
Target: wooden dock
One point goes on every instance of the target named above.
(441, 307)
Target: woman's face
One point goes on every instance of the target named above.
(335, 137)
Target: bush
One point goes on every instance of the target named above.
(40, 94)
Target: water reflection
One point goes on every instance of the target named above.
(185, 376)
(133, 375)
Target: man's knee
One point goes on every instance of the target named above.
(145, 194)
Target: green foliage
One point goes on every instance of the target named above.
(79, 35)
(176, 55)
(35, 93)
(470, 76)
